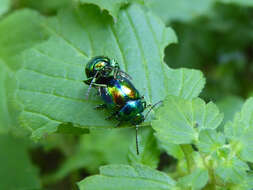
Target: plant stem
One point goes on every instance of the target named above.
(187, 150)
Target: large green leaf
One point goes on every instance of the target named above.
(124, 177)
(51, 87)
(18, 31)
(17, 171)
(4, 6)
(240, 132)
(7, 109)
(179, 121)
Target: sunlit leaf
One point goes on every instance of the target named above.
(240, 132)
(123, 177)
(50, 84)
(179, 121)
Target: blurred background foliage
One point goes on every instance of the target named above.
(215, 37)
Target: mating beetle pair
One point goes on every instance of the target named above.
(118, 93)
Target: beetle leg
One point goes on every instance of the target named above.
(88, 81)
(100, 106)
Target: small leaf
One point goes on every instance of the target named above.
(210, 141)
(179, 121)
(124, 177)
(240, 132)
(195, 181)
(17, 171)
(148, 149)
(232, 170)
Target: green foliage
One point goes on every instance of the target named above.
(148, 151)
(17, 171)
(184, 144)
(41, 84)
(127, 177)
(179, 121)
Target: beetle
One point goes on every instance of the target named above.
(120, 96)
(99, 68)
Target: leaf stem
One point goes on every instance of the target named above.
(187, 150)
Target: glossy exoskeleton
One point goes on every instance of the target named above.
(120, 96)
(99, 68)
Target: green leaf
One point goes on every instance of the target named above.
(4, 6)
(232, 170)
(5, 118)
(98, 148)
(112, 6)
(196, 180)
(124, 177)
(148, 149)
(19, 31)
(51, 87)
(183, 10)
(179, 121)
(17, 171)
(210, 141)
(185, 83)
(240, 132)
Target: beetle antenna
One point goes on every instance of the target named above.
(91, 83)
(137, 140)
(151, 108)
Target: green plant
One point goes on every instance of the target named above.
(44, 47)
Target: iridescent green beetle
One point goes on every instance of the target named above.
(120, 96)
(99, 68)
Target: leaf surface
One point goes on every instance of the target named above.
(148, 149)
(240, 132)
(179, 121)
(50, 84)
(195, 181)
(124, 177)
